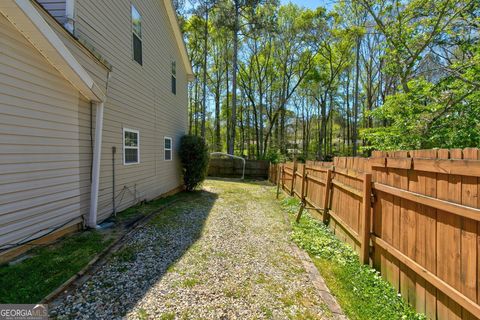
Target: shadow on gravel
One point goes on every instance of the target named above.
(114, 289)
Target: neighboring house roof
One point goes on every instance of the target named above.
(26, 19)
(172, 16)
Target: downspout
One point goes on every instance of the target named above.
(97, 152)
(70, 16)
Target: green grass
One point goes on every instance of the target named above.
(360, 290)
(147, 208)
(142, 314)
(32, 279)
(126, 254)
(190, 282)
(167, 316)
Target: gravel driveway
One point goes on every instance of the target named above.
(222, 253)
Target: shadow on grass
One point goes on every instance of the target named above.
(143, 260)
(47, 267)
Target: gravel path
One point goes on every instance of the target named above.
(223, 253)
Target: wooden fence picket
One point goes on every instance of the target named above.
(419, 212)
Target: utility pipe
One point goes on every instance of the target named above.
(97, 152)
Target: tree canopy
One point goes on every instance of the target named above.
(277, 81)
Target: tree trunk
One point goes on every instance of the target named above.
(227, 76)
(231, 145)
(355, 103)
(218, 139)
(205, 57)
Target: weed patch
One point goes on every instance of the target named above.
(126, 254)
(190, 282)
(360, 290)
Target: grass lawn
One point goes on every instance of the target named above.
(360, 290)
(30, 280)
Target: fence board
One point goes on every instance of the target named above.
(233, 168)
(425, 221)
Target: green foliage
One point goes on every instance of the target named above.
(300, 79)
(274, 156)
(360, 290)
(31, 280)
(427, 116)
(195, 157)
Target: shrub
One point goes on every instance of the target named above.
(274, 156)
(194, 156)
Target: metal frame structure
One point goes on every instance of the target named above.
(231, 156)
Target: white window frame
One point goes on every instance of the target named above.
(139, 36)
(174, 76)
(133, 148)
(165, 148)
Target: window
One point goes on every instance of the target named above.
(137, 35)
(168, 148)
(174, 77)
(131, 146)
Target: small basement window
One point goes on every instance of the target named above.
(174, 77)
(168, 148)
(131, 146)
(137, 35)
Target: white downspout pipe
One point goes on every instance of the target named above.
(97, 152)
(70, 15)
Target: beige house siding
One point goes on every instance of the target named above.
(43, 177)
(86, 113)
(46, 126)
(138, 97)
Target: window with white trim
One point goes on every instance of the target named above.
(131, 146)
(168, 148)
(137, 35)
(174, 77)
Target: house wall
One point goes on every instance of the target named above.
(56, 8)
(138, 97)
(43, 178)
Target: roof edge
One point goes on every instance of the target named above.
(172, 16)
(28, 21)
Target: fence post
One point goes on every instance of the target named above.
(366, 208)
(294, 174)
(279, 177)
(326, 198)
(303, 193)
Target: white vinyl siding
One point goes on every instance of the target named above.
(57, 8)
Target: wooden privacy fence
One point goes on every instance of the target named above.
(232, 168)
(413, 215)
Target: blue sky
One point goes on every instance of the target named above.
(312, 4)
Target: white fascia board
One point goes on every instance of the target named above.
(25, 17)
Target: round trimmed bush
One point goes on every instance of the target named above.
(194, 156)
